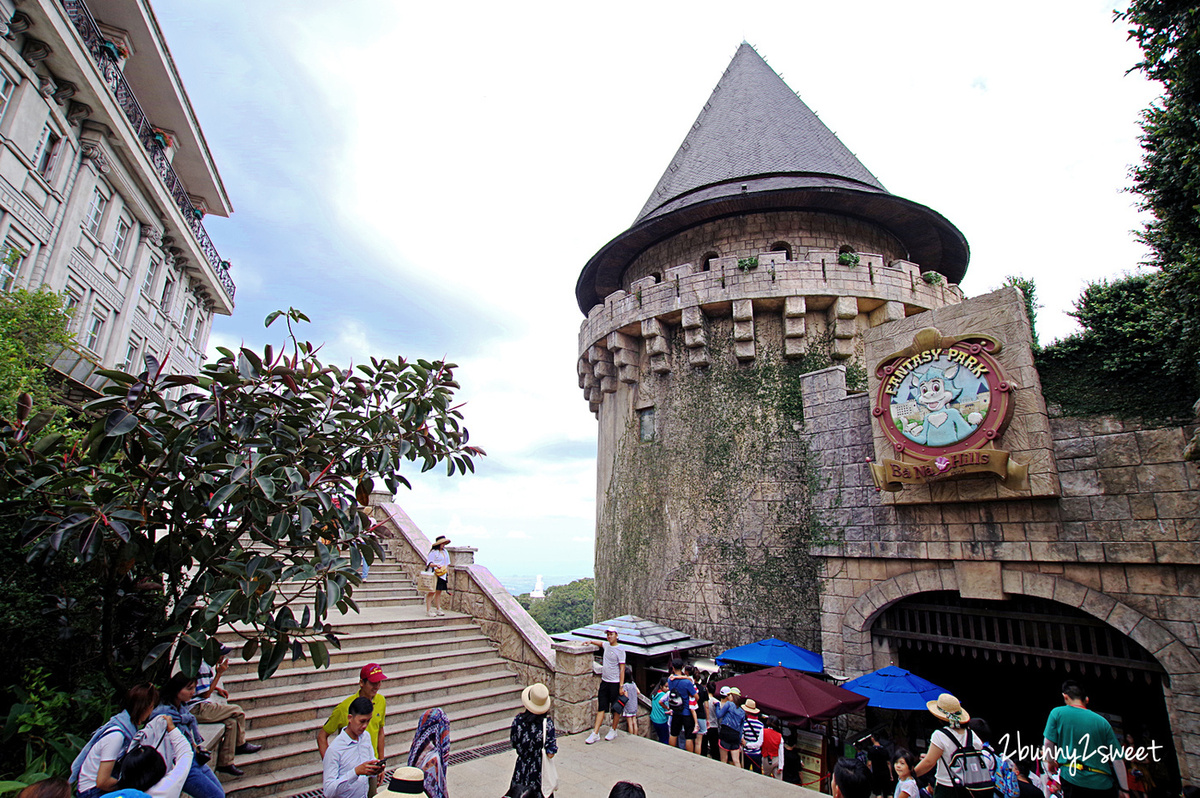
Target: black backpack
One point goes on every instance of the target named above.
(970, 768)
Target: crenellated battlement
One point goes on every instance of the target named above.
(810, 295)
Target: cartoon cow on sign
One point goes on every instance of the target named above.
(943, 425)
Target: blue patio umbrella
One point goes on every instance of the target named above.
(773, 651)
(894, 688)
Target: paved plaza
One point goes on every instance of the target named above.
(591, 770)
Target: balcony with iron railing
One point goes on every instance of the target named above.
(106, 61)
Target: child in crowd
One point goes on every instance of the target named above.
(904, 762)
(631, 703)
(658, 712)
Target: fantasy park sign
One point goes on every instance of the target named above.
(943, 403)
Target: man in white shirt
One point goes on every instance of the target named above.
(612, 676)
(350, 759)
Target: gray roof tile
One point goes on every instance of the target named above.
(753, 124)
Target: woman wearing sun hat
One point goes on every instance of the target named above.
(947, 740)
(438, 561)
(532, 732)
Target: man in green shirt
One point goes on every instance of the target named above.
(369, 680)
(1082, 746)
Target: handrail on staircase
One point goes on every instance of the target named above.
(462, 560)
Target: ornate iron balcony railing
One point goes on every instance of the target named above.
(81, 17)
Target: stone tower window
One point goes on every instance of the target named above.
(784, 247)
(646, 424)
(706, 260)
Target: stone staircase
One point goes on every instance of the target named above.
(442, 662)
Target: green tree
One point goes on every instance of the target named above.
(33, 326)
(1029, 292)
(238, 494)
(564, 608)
(1168, 179)
(1117, 364)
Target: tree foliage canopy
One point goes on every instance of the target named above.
(1168, 179)
(242, 489)
(564, 608)
(1116, 364)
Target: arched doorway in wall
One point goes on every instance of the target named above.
(1006, 661)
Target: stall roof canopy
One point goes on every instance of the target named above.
(637, 636)
(894, 688)
(774, 651)
(793, 695)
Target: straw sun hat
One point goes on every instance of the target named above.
(408, 781)
(536, 698)
(948, 708)
(750, 708)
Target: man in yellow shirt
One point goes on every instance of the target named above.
(369, 680)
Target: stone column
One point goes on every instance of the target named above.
(574, 687)
(458, 579)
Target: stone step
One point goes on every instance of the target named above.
(293, 743)
(396, 663)
(274, 726)
(304, 772)
(328, 692)
(366, 644)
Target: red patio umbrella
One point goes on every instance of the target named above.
(795, 696)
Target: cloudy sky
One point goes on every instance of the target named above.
(428, 180)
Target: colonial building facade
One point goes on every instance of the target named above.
(105, 178)
(806, 430)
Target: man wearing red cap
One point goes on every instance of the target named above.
(369, 680)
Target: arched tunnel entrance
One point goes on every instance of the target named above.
(1006, 661)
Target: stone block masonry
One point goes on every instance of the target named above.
(1111, 531)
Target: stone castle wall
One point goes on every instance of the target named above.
(1120, 544)
(748, 235)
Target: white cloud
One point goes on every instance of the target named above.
(477, 152)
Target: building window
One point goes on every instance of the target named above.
(6, 90)
(121, 239)
(96, 211)
(196, 330)
(13, 259)
(151, 276)
(47, 152)
(706, 260)
(95, 329)
(187, 318)
(70, 305)
(167, 292)
(784, 247)
(131, 355)
(646, 424)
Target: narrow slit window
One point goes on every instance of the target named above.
(646, 424)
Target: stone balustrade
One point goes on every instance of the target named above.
(565, 668)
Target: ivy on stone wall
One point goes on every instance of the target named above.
(717, 511)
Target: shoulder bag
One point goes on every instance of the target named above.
(549, 771)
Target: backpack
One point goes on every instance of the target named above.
(1004, 778)
(675, 699)
(970, 768)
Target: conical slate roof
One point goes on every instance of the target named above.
(757, 147)
(753, 124)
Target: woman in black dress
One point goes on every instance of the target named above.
(526, 737)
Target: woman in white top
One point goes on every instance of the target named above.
(947, 708)
(144, 770)
(438, 561)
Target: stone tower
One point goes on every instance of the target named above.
(764, 252)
